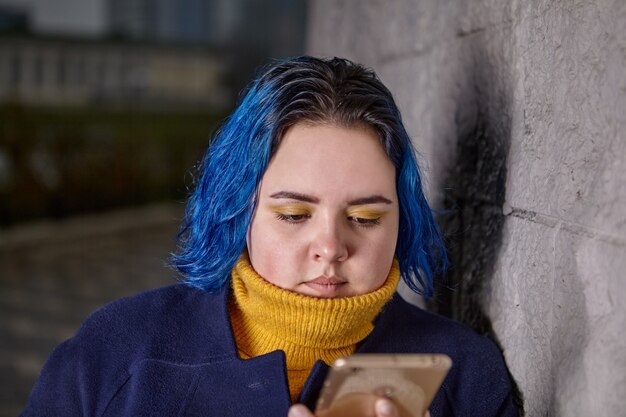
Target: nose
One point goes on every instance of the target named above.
(329, 244)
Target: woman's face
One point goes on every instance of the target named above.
(326, 221)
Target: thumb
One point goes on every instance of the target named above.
(299, 410)
(385, 408)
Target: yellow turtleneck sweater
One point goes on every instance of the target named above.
(266, 318)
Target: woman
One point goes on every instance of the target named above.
(308, 212)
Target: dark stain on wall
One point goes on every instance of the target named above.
(475, 191)
(475, 186)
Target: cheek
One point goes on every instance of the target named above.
(265, 266)
(382, 254)
(270, 252)
(380, 264)
(260, 257)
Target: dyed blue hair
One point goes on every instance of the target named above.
(312, 90)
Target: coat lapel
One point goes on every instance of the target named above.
(256, 386)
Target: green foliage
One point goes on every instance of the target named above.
(58, 162)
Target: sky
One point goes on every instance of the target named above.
(76, 17)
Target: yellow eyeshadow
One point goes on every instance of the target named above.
(291, 209)
(365, 213)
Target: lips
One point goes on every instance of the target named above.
(324, 280)
(326, 286)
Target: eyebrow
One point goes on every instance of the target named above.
(373, 199)
(295, 196)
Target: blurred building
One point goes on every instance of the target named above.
(163, 20)
(251, 32)
(276, 26)
(62, 70)
(197, 52)
(13, 19)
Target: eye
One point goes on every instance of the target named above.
(364, 222)
(364, 216)
(292, 218)
(292, 213)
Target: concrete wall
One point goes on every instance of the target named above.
(519, 111)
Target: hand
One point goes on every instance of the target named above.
(363, 406)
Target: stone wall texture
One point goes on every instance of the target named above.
(518, 109)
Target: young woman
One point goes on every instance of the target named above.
(308, 211)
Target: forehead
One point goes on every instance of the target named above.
(319, 158)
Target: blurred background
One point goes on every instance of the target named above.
(105, 108)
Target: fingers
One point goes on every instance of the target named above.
(385, 408)
(299, 410)
(382, 408)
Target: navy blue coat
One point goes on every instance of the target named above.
(171, 352)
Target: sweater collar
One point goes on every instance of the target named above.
(276, 316)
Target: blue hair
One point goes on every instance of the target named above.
(299, 90)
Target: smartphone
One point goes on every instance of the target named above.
(409, 380)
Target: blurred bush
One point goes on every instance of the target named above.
(56, 162)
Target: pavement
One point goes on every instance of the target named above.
(53, 275)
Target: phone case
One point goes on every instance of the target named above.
(409, 380)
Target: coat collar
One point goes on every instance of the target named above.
(216, 313)
(380, 340)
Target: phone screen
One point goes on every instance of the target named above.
(409, 380)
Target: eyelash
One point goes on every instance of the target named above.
(292, 218)
(299, 218)
(363, 222)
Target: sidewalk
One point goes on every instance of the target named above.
(53, 275)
